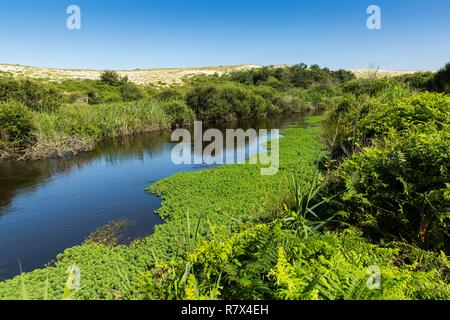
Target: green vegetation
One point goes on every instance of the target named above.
(265, 261)
(265, 91)
(363, 192)
(298, 76)
(73, 115)
(393, 180)
(15, 125)
(78, 127)
(41, 119)
(441, 82)
(214, 103)
(117, 272)
(178, 112)
(35, 95)
(428, 81)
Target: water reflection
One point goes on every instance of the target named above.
(48, 206)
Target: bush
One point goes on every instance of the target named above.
(178, 112)
(77, 97)
(35, 95)
(283, 78)
(286, 104)
(395, 182)
(275, 83)
(266, 92)
(111, 78)
(386, 88)
(94, 97)
(170, 94)
(441, 81)
(225, 102)
(416, 110)
(344, 75)
(421, 81)
(16, 124)
(400, 188)
(130, 92)
(356, 121)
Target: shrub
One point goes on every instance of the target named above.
(386, 88)
(441, 81)
(416, 110)
(130, 92)
(111, 78)
(266, 92)
(300, 76)
(35, 95)
(94, 97)
(77, 97)
(355, 122)
(421, 81)
(275, 83)
(286, 104)
(400, 188)
(170, 94)
(16, 124)
(343, 75)
(178, 112)
(225, 102)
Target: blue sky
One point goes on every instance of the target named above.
(119, 34)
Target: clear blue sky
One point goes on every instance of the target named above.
(119, 34)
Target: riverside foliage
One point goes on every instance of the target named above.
(364, 187)
(73, 115)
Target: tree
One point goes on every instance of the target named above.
(111, 78)
(442, 79)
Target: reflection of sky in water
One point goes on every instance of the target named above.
(223, 149)
(48, 206)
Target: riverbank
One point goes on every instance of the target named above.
(77, 128)
(44, 119)
(112, 273)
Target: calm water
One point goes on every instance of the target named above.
(48, 206)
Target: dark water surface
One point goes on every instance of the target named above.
(50, 205)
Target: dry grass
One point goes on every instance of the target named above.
(6, 152)
(57, 146)
(158, 77)
(378, 73)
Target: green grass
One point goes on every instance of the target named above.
(106, 120)
(222, 196)
(79, 127)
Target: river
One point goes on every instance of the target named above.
(50, 205)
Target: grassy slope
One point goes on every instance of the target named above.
(222, 196)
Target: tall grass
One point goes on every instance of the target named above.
(106, 120)
(78, 127)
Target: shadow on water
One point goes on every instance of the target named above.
(50, 205)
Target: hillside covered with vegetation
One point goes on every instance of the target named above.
(41, 119)
(364, 188)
